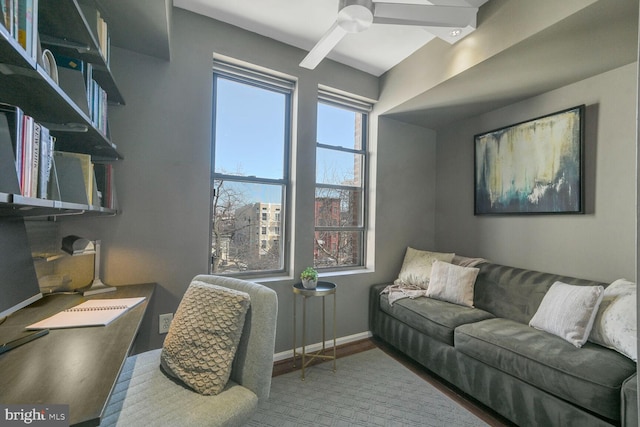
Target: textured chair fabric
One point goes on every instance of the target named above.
(144, 395)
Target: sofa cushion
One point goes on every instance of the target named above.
(515, 293)
(615, 324)
(590, 377)
(435, 318)
(466, 261)
(568, 311)
(416, 267)
(452, 283)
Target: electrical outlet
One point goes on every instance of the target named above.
(164, 323)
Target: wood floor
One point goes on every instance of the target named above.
(476, 408)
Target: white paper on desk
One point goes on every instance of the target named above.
(95, 312)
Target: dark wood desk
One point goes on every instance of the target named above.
(78, 366)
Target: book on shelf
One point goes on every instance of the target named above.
(25, 154)
(34, 168)
(47, 143)
(104, 41)
(98, 106)
(25, 148)
(97, 100)
(6, 7)
(69, 62)
(39, 169)
(98, 27)
(20, 17)
(105, 182)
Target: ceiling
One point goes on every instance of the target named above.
(301, 23)
(598, 38)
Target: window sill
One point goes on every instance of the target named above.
(349, 272)
(322, 275)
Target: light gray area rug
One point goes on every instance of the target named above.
(368, 389)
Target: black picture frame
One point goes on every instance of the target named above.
(531, 167)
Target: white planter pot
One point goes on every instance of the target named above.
(309, 284)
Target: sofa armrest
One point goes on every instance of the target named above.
(374, 305)
(629, 402)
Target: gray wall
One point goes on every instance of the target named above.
(599, 245)
(422, 193)
(164, 133)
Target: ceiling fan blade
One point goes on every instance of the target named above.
(424, 15)
(328, 41)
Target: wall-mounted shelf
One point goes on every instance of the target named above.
(65, 29)
(16, 205)
(68, 28)
(35, 92)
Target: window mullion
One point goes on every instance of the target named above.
(340, 148)
(254, 179)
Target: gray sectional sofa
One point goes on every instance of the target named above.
(529, 376)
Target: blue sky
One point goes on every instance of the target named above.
(250, 122)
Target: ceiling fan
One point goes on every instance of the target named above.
(450, 23)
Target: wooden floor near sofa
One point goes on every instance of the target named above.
(476, 408)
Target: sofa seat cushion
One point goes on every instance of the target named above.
(590, 377)
(437, 319)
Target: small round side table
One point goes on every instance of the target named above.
(322, 289)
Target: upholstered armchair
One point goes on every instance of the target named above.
(145, 395)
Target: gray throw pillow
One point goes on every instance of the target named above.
(203, 337)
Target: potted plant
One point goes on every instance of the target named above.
(309, 278)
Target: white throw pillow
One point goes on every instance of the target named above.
(615, 325)
(416, 267)
(452, 283)
(568, 311)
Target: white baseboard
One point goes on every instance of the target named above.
(318, 346)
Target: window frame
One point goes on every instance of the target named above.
(253, 77)
(333, 99)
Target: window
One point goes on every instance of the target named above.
(341, 160)
(250, 161)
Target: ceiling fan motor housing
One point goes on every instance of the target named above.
(355, 16)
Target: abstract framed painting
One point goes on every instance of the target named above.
(533, 167)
